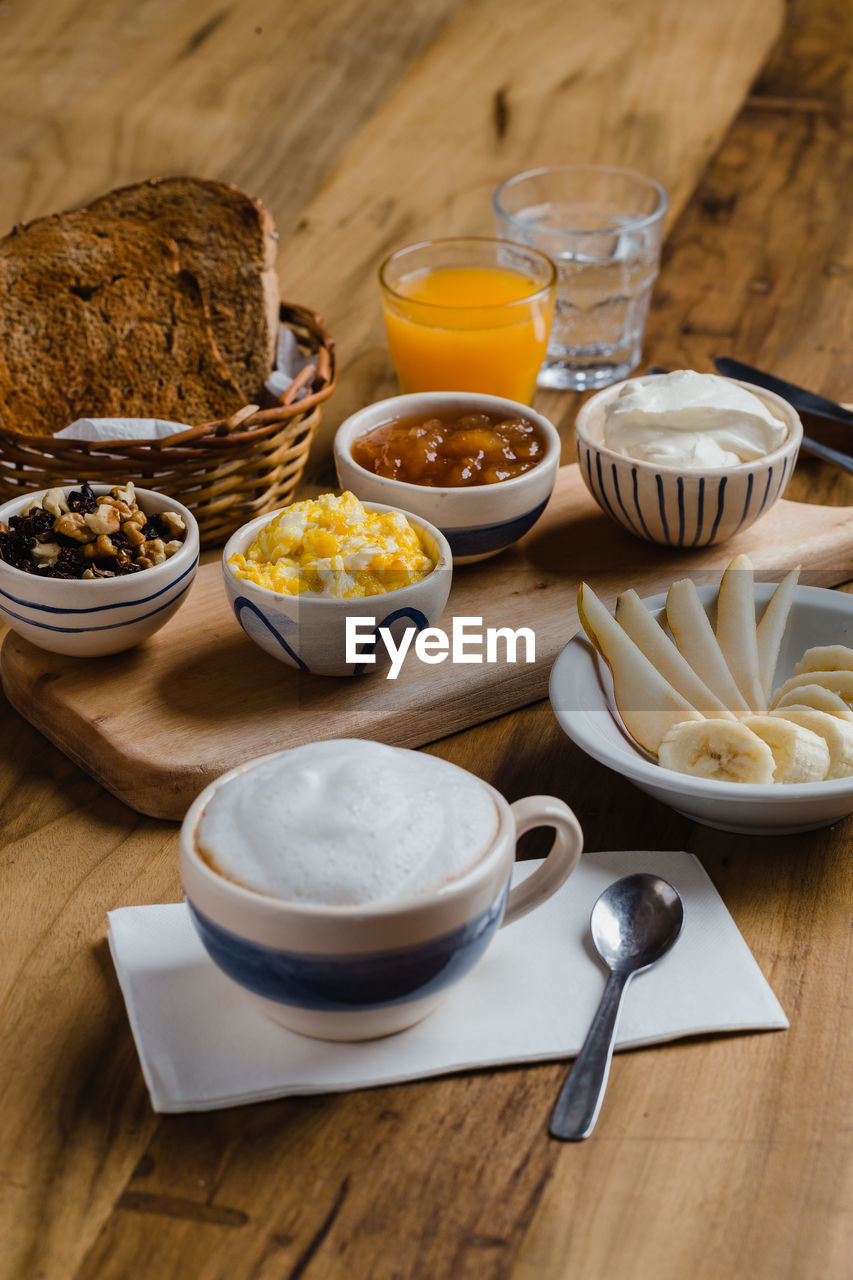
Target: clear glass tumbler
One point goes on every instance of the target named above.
(468, 314)
(602, 228)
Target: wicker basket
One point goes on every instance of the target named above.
(226, 471)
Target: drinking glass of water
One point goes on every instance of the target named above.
(602, 229)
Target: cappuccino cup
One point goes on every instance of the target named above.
(346, 886)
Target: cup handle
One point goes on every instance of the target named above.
(563, 856)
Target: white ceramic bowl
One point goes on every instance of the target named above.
(478, 521)
(582, 698)
(309, 631)
(88, 619)
(680, 508)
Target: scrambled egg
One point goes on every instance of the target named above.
(331, 546)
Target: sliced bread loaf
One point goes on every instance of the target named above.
(98, 318)
(228, 242)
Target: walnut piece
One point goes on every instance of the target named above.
(126, 494)
(103, 519)
(155, 550)
(100, 549)
(173, 523)
(71, 525)
(133, 533)
(121, 507)
(55, 502)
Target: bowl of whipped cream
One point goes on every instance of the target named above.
(686, 459)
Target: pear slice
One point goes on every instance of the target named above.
(736, 633)
(637, 623)
(695, 637)
(818, 698)
(771, 629)
(825, 657)
(648, 704)
(840, 682)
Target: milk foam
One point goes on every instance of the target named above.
(347, 822)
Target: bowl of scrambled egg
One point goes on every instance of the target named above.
(330, 585)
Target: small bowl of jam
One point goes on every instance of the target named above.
(479, 467)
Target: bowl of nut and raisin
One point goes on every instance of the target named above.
(89, 570)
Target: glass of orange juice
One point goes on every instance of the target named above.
(468, 314)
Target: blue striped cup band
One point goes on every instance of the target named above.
(337, 983)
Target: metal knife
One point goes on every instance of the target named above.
(805, 401)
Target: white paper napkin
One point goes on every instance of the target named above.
(533, 996)
(120, 429)
(290, 360)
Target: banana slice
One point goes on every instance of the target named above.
(815, 695)
(840, 682)
(722, 749)
(825, 657)
(800, 755)
(837, 734)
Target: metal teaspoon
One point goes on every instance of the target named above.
(633, 923)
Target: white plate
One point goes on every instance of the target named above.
(581, 693)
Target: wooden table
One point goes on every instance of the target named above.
(364, 124)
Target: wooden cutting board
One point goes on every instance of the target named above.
(156, 724)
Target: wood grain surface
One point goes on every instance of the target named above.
(728, 1157)
(149, 727)
(526, 90)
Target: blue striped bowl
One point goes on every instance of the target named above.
(478, 521)
(683, 508)
(89, 619)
